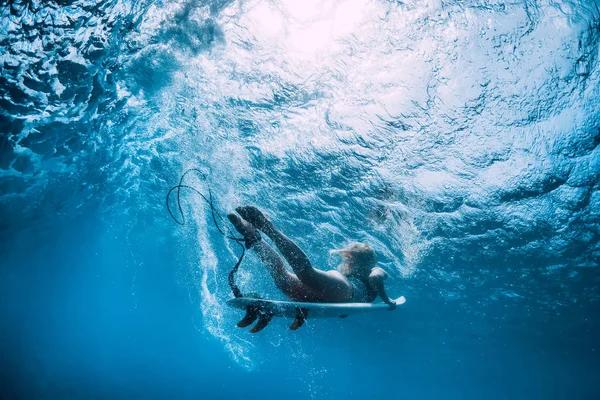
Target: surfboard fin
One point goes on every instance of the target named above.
(301, 314)
(263, 320)
(251, 316)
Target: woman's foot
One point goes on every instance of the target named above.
(251, 236)
(257, 218)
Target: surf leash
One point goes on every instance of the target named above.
(216, 216)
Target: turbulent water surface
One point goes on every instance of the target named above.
(461, 139)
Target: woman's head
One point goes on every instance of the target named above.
(358, 259)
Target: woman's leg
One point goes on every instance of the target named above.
(288, 283)
(285, 281)
(293, 254)
(290, 250)
(330, 285)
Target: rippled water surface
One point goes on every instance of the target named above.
(459, 138)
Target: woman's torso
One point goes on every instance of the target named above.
(362, 291)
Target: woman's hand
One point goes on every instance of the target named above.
(376, 279)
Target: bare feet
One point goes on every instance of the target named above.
(246, 229)
(256, 217)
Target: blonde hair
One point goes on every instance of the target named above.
(359, 259)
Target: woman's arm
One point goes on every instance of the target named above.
(376, 280)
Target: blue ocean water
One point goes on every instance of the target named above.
(460, 138)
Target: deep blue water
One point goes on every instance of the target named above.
(460, 138)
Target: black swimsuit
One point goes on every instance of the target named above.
(362, 293)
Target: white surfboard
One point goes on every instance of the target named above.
(315, 310)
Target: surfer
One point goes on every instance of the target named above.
(357, 278)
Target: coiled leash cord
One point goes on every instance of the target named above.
(215, 216)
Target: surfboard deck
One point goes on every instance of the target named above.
(315, 310)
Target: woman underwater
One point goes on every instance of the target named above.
(357, 278)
